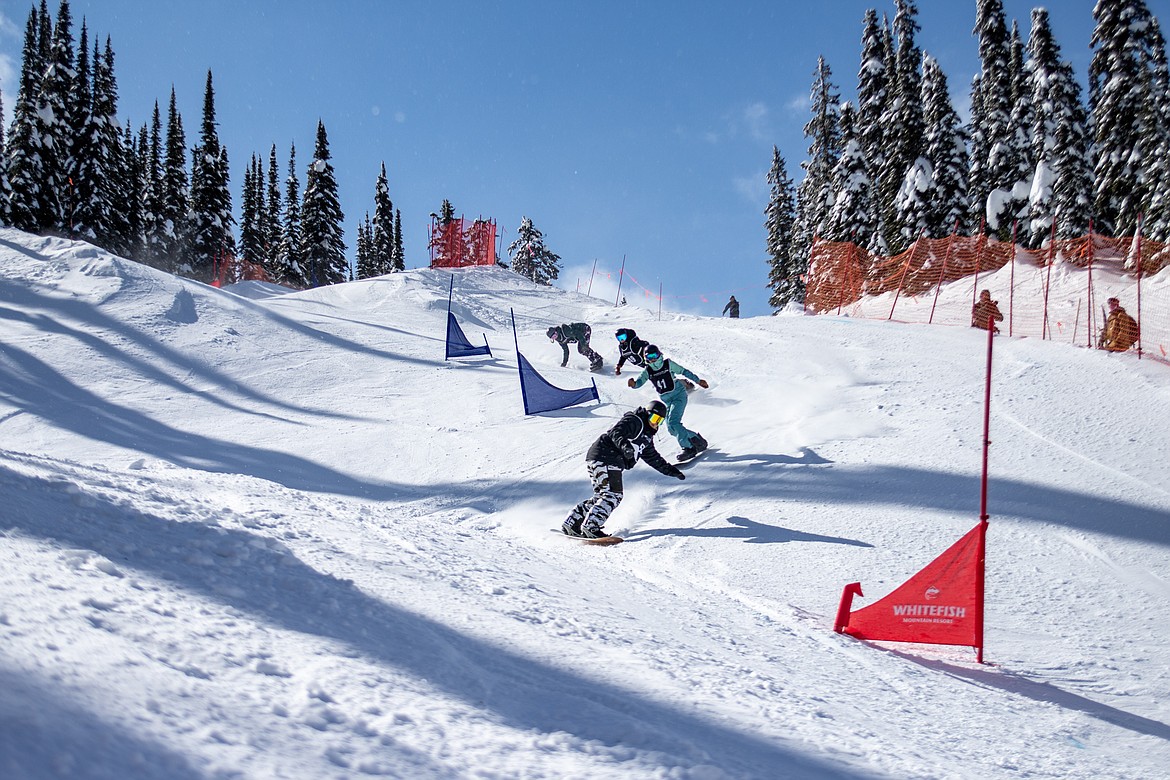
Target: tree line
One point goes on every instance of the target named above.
(69, 168)
(1033, 160)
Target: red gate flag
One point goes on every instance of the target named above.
(942, 604)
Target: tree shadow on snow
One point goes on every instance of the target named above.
(746, 530)
(260, 576)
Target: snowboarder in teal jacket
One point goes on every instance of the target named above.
(661, 372)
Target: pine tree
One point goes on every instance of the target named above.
(786, 268)
(152, 193)
(814, 196)
(399, 253)
(1120, 90)
(107, 160)
(853, 215)
(5, 188)
(211, 238)
(994, 182)
(530, 257)
(364, 260)
(1061, 184)
(382, 239)
(291, 269)
(171, 246)
(25, 167)
(873, 100)
(944, 145)
(322, 219)
(54, 135)
(251, 238)
(81, 180)
(273, 225)
(1156, 168)
(125, 226)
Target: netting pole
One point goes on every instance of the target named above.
(594, 271)
(621, 274)
(943, 273)
(1139, 285)
(905, 268)
(1044, 329)
(1089, 321)
(979, 244)
(660, 301)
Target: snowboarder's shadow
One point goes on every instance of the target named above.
(747, 530)
(806, 458)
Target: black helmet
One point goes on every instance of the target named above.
(655, 413)
(625, 334)
(551, 333)
(653, 353)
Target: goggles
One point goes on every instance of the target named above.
(623, 336)
(656, 419)
(652, 356)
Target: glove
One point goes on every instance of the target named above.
(617, 372)
(630, 383)
(679, 474)
(564, 364)
(703, 384)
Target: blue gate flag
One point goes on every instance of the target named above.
(542, 396)
(457, 343)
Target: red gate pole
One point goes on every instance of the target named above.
(981, 552)
(621, 274)
(942, 274)
(1089, 321)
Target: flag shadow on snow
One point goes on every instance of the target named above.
(746, 530)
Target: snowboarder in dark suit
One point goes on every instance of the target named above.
(618, 449)
(577, 332)
(732, 307)
(630, 348)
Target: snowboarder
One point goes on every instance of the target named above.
(618, 449)
(1121, 331)
(661, 373)
(733, 307)
(984, 309)
(575, 332)
(630, 348)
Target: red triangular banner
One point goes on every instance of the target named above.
(942, 604)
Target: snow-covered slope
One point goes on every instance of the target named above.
(253, 534)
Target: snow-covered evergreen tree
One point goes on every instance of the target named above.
(54, 134)
(171, 244)
(273, 227)
(251, 246)
(399, 252)
(903, 120)
(815, 196)
(124, 227)
(873, 103)
(363, 260)
(25, 168)
(382, 237)
(5, 189)
(945, 146)
(1001, 192)
(211, 237)
(1121, 93)
(105, 161)
(1156, 169)
(853, 216)
(786, 269)
(1061, 181)
(291, 267)
(322, 220)
(530, 257)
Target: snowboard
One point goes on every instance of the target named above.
(603, 541)
(683, 461)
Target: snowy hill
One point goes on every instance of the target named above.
(260, 534)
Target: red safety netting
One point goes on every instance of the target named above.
(1057, 292)
(454, 245)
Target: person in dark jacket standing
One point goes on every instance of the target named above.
(732, 307)
(577, 332)
(618, 449)
(630, 348)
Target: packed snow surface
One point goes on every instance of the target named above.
(251, 533)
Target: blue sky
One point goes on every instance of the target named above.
(631, 129)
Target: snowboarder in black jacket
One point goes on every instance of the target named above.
(630, 348)
(618, 449)
(575, 332)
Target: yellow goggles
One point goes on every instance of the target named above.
(656, 420)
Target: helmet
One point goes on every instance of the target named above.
(625, 334)
(653, 353)
(551, 333)
(1113, 302)
(655, 413)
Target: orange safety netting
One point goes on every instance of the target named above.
(453, 246)
(1057, 292)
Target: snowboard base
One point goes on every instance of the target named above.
(601, 541)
